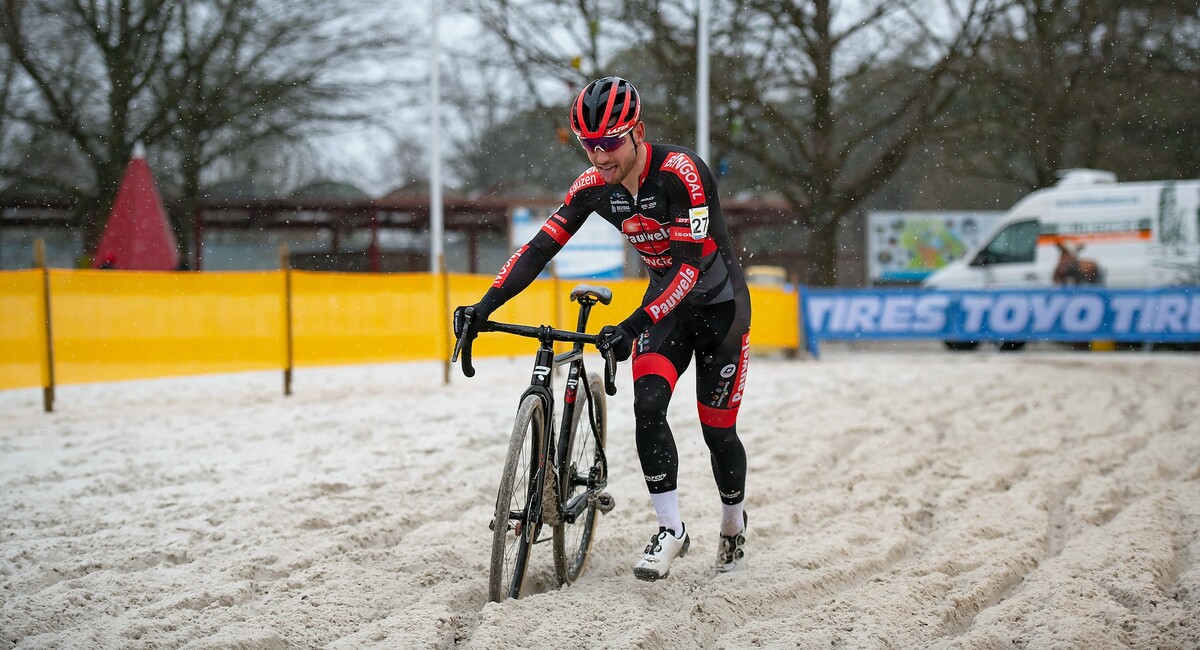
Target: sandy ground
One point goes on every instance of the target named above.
(897, 499)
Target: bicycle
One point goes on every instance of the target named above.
(547, 481)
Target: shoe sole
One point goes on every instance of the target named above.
(730, 568)
(650, 575)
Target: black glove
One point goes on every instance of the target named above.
(477, 320)
(618, 338)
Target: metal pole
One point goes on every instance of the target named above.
(702, 81)
(435, 169)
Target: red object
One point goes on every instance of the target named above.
(138, 235)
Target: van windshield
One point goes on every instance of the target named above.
(1016, 243)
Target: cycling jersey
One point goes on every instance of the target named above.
(675, 224)
(696, 303)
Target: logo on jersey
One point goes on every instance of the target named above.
(503, 274)
(673, 295)
(744, 365)
(721, 393)
(728, 371)
(554, 228)
(648, 236)
(683, 167)
(590, 178)
(642, 342)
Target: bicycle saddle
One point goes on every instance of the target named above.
(603, 294)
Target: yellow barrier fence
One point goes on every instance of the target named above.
(119, 325)
(22, 330)
(112, 326)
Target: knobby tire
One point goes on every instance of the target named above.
(520, 492)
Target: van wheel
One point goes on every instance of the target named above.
(1011, 346)
(961, 346)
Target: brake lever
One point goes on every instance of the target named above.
(610, 372)
(463, 345)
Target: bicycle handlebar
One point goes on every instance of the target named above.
(542, 333)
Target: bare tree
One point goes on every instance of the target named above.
(1084, 83)
(825, 100)
(249, 74)
(70, 60)
(195, 82)
(8, 68)
(550, 44)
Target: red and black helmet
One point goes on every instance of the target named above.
(605, 108)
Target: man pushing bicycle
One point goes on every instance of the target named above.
(663, 198)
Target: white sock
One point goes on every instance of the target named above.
(731, 519)
(666, 506)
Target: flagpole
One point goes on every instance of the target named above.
(437, 262)
(435, 163)
(702, 81)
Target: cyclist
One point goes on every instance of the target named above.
(663, 198)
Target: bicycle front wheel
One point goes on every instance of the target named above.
(518, 503)
(580, 462)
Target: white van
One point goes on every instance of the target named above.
(1088, 229)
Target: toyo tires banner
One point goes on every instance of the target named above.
(1077, 314)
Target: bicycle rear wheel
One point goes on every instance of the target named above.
(518, 502)
(579, 460)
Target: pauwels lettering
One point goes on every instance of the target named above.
(674, 293)
(743, 366)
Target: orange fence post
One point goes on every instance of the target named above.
(285, 264)
(39, 253)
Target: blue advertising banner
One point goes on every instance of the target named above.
(1077, 314)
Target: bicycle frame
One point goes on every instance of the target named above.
(541, 384)
(577, 373)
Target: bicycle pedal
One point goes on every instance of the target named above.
(605, 502)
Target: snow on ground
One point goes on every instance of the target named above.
(897, 499)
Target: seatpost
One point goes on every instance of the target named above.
(585, 308)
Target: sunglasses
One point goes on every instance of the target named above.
(607, 145)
